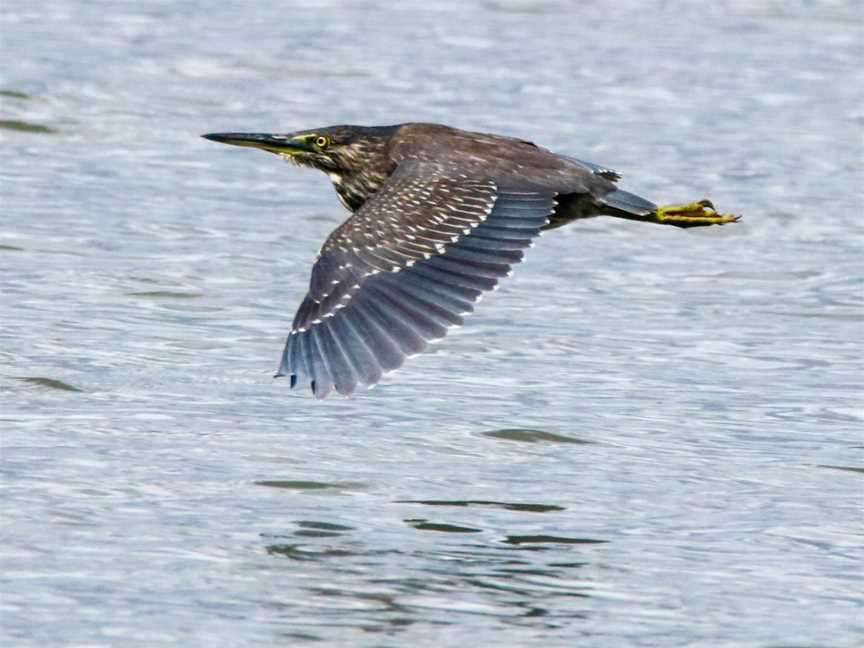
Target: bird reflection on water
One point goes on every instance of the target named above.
(515, 579)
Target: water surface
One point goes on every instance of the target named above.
(647, 437)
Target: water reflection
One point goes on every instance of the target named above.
(532, 436)
(14, 94)
(48, 383)
(548, 539)
(509, 506)
(853, 469)
(306, 485)
(422, 524)
(385, 590)
(27, 127)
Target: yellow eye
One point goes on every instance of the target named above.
(321, 142)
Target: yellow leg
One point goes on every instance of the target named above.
(693, 215)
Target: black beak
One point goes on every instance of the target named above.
(273, 143)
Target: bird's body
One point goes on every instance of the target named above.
(439, 216)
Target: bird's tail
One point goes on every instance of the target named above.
(627, 205)
(624, 204)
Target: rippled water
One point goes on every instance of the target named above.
(648, 437)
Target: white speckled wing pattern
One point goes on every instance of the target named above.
(403, 269)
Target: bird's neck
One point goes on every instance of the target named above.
(354, 189)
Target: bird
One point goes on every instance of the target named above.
(438, 216)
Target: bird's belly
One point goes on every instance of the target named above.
(572, 207)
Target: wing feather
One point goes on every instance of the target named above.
(408, 265)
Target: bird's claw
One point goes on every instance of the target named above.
(694, 214)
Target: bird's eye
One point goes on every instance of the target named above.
(321, 142)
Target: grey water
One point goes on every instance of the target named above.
(646, 437)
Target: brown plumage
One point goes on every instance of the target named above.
(439, 216)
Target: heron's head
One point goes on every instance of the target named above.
(336, 150)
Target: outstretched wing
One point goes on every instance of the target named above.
(403, 269)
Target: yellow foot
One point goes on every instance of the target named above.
(694, 214)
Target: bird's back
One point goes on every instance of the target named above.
(508, 161)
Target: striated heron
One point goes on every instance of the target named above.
(439, 215)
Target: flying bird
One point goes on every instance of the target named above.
(438, 216)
